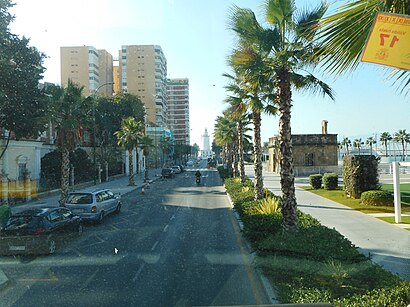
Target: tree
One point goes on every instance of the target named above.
(145, 144)
(23, 105)
(346, 142)
(402, 137)
(385, 137)
(344, 34)
(285, 48)
(357, 143)
(224, 135)
(129, 137)
(70, 113)
(370, 141)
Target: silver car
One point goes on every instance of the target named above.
(93, 205)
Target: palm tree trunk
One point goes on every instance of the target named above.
(65, 174)
(131, 168)
(258, 186)
(385, 145)
(287, 179)
(235, 157)
(240, 150)
(403, 154)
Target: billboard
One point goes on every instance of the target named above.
(389, 41)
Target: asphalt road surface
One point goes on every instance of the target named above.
(177, 245)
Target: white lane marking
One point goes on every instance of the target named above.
(154, 246)
(172, 217)
(89, 279)
(165, 228)
(138, 272)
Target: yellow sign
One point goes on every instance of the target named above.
(389, 41)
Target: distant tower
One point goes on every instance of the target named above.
(206, 149)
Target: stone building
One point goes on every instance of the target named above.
(312, 153)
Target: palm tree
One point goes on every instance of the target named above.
(129, 137)
(145, 144)
(224, 135)
(346, 142)
(402, 137)
(357, 143)
(282, 51)
(344, 35)
(385, 137)
(238, 112)
(71, 113)
(370, 141)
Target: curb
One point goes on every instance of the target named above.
(270, 292)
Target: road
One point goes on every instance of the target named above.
(177, 245)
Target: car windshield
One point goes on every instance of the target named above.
(79, 198)
(204, 153)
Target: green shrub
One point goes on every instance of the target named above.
(360, 174)
(377, 198)
(268, 205)
(224, 173)
(315, 181)
(259, 226)
(5, 213)
(330, 181)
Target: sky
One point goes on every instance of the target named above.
(196, 41)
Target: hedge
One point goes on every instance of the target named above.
(377, 198)
(330, 181)
(315, 181)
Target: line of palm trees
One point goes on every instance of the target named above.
(401, 137)
(269, 62)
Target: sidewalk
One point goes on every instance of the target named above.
(117, 185)
(387, 244)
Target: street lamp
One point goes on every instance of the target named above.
(94, 129)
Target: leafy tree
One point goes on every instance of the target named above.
(385, 137)
(129, 137)
(281, 51)
(224, 135)
(23, 105)
(402, 137)
(344, 34)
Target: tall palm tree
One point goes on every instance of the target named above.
(129, 137)
(346, 142)
(145, 144)
(283, 50)
(238, 111)
(358, 144)
(344, 35)
(385, 137)
(224, 135)
(71, 113)
(370, 142)
(402, 137)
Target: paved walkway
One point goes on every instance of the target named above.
(387, 244)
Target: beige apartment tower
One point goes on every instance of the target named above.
(178, 109)
(88, 67)
(143, 72)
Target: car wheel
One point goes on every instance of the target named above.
(79, 230)
(101, 217)
(118, 209)
(51, 246)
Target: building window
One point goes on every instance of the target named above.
(309, 159)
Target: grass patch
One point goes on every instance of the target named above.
(390, 219)
(404, 192)
(340, 197)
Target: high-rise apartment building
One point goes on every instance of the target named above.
(178, 110)
(88, 67)
(143, 72)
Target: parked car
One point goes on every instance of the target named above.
(177, 169)
(38, 231)
(93, 205)
(167, 173)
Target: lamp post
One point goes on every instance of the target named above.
(94, 129)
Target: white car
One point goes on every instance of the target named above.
(177, 169)
(93, 205)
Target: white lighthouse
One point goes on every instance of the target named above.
(206, 148)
